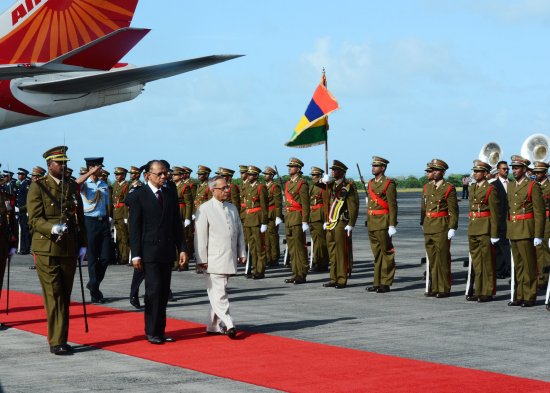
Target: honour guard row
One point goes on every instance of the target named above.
(72, 217)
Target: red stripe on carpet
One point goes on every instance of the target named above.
(262, 359)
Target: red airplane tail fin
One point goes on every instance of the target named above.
(37, 31)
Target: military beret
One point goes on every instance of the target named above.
(540, 166)
(58, 153)
(22, 171)
(438, 164)
(316, 171)
(518, 160)
(94, 161)
(339, 165)
(203, 170)
(120, 170)
(379, 161)
(295, 162)
(269, 171)
(481, 166)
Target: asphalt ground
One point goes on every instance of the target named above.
(489, 336)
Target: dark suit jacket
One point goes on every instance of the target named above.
(155, 233)
(503, 208)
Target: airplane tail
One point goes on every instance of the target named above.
(37, 31)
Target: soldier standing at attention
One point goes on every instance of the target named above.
(189, 229)
(203, 192)
(424, 197)
(21, 211)
(120, 214)
(483, 233)
(543, 253)
(59, 238)
(381, 223)
(235, 191)
(343, 211)
(317, 201)
(274, 216)
(8, 234)
(254, 199)
(525, 231)
(185, 200)
(440, 224)
(297, 218)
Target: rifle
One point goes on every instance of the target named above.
(8, 287)
(361, 177)
(280, 180)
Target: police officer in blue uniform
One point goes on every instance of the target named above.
(21, 211)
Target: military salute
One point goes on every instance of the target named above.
(381, 223)
(274, 217)
(440, 224)
(121, 187)
(297, 218)
(59, 238)
(482, 234)
(317, 219)
(525, 231)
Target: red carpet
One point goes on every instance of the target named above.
(261, 359)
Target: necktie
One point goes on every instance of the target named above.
(159, 198)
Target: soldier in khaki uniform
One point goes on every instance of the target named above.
(8, 234)
(235, 191)
(189, 228)
(203, 192)
(59, 238)
(525, 230)
(343, 205)
(120, 214)
(482, 234)
(297, 218)
(381, 223)
(37, 173)
(317, 219)
(440, 224)
(543, 252)
(274, 217)
(243, 169)
(254, 200)
(424, 196)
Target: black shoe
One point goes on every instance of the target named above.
(155, 340)
(258, 276)
(547, 308)
(289, 281)
(383, 289)
(98, 300)
(67, 347)
(515, 303)
(472, 298)
(171, 297)
(215, 333)
(168, 339)
(484, 299)
(59, 350)
(249, 275)
(441, 295)
(134, 301)
(232, 333)
(430, 294)
(372, 289)
(340, 286)
(299, 280)
(528, 303)
(32, 267)
(3, 327)
(329, 284)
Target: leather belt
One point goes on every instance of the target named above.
(486, 213)
(379, 212)
(516, 217)
(437, 214)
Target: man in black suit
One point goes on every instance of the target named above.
(502, 247)
(156, 233)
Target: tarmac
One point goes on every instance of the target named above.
(403, 322)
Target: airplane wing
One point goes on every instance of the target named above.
(123, 77)
(100, 54)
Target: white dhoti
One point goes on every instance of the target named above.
(218, 315)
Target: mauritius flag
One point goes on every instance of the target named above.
(313, 126)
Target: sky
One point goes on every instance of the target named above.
(415, 80)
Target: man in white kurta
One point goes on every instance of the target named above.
(219, 245)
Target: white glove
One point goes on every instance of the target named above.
(451, 234)
(348, 229)
(59, 229)
(325, 179)
(12, 251)
(305, 226)
(537, 241)
(392, 231)
(325, 225)
(193, 217)
(16, 209)
(110, 220)
(82, 252)
(494, 240)
(186, 223)
(367, 200)
(278, 221)
(263, 228)
(126, 221)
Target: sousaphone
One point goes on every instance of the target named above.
(490, 153)
(536, 148)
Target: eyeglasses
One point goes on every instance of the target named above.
(505, 169)
(222, 188)
(159, 174)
